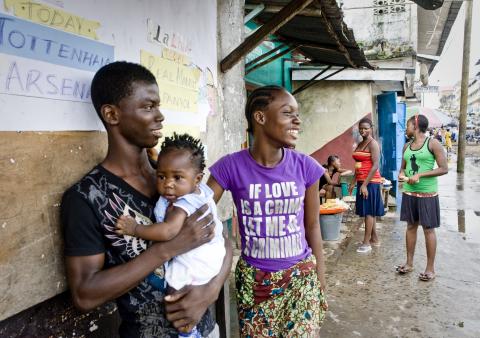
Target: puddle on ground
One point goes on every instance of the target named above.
(466, 222)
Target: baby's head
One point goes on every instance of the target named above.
(180, 166)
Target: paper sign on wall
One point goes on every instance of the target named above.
(53, 17)
(178, 84)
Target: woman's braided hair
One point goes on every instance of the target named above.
(259, 99)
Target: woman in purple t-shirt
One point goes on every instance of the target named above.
(280, 274)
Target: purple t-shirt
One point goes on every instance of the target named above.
(270, 204)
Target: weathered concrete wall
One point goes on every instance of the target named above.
(385, 29)
(329, 111)
(226, 133)
(35, 170)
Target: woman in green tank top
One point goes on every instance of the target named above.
(419, 161)
(420, 204)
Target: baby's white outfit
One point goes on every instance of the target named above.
(197, 266)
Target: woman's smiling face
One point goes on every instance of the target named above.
(282, 121)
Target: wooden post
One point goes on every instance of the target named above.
(462, 125)
(277, 21)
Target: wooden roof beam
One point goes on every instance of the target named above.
(331, 31)
(270, 59)
(275, 9)
(264, 55)
(270, 27)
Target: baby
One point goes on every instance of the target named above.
(179, 174)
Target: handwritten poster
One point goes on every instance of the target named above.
(50, 51)
(178, 83)
(53, 17)
(24, 77)
(26, 39)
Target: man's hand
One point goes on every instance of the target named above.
(186, 307)
(126, 225)
(194, 232)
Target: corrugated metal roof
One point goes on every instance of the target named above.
(320, 33)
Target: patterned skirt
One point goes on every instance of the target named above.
(286, 303)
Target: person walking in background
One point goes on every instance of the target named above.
(368, 202)
(448, 142)
(420, 204)
(327, 184)
(437, 135)
(280, 276)
(442, 135)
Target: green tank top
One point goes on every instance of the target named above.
(419, 161)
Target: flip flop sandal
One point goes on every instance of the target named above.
(403, 270)
(426, 277)
(364, 248)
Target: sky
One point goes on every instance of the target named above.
(448, 70)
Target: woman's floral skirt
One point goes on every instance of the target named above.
(286, 303)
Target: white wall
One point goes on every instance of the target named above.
(190, 30)
(37, 166)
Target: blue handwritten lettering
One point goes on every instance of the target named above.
(32, 78)
(34, 41)
(49, 44)
(13, 74)
(11, 40)
(33, 82)
(54, 86)
(65, 87)
(63, 49)
(81, 90)
(2, 25)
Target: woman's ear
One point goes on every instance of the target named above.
(259, 117)
(110, 114)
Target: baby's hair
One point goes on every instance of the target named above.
(259, 99)
(186, 142)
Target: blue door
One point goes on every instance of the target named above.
(391, 130)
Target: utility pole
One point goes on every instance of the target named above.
(464, 87)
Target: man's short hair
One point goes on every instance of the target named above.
(114, 81)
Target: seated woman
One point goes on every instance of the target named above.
(327, 184)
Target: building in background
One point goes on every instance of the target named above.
(473, 109)
(392, 34)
